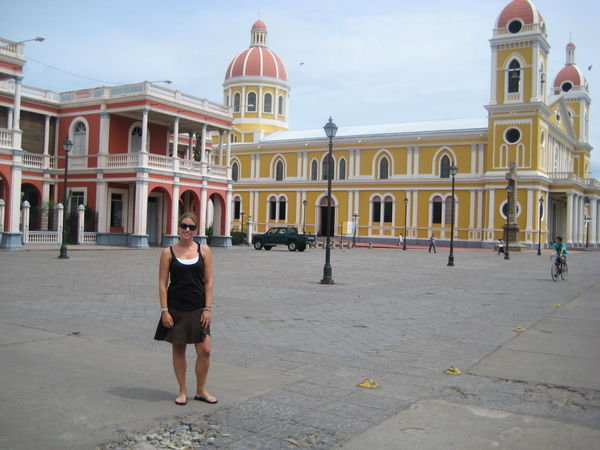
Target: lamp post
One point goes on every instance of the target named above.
(354, 216)
(453, 170)
(507, 245)
(541, 201)
(330, 130)
(304, 203)
(67, 146)
(405, 210)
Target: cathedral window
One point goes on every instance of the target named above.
(342, 169)
(251, 107)
(237, 208)
(384, 169)
(567, 86)
(448, 215)
(237, 100)
(515, 26)
(388, 208)
(512, 135)
(314, 171)
(268, 103)
(279, 171)
(282, 208)
(136, 140)
(445, 167)
(80, 139)
(514, 76)
(235, 171)
(272, 208)
(280, 105)
(326, 170)
(436, 209)
(376, 216)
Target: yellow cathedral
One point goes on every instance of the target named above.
(522, 171)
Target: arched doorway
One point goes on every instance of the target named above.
(323, 218)
(218, 214)
(30, 194)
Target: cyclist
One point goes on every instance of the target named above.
(561, 251)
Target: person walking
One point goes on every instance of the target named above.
(500, 245)
(400, 240)
(185, 285)
(432, 244)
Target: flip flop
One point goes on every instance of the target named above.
(183, 403)
(205, 399)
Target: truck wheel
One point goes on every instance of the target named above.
(301, 247)
(268, 247)
(257, 245)
(292, 246)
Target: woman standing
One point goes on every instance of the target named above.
(185, 285)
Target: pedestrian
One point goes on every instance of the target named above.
(500, 245)
(185, 286)
(432, 244)
(400, 240)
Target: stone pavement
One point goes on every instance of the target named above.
(79, 368)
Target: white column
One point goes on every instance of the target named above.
(491, 214)
(46, 138)
(569, 230)
(2, 212)
(203, 144)
(176, 136)
(530, 210)
(221, 132)
(14, 206)
(25, 208)
(479, 209)
(103, 139)
(80, 223)
(144, 130)
(472, 210)
(141, 206)
(594, 224)
(228, 207)
(10, 121)
(259, 102)
(203, 207)
(17, 115)
(102, 203)
(175, 209)
(228, 158)
(416, 161)
(190, 149)
(414, 205)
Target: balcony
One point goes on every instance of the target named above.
(573, 178)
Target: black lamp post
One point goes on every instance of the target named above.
(330, 130)
(355, 217)
(67, 146)
(507, 245)
(405, 210)
(453, 170)
(541, 200)
(304, 203)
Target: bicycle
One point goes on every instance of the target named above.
(558, 268)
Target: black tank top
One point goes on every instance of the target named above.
(186, 286)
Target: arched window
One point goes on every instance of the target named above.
(342, 169)
(325, 169)
(237, 208)
(282, 208)
(388, 208)
(235, 171)
(376, 213)
(268, 103)
(136, 140)
(272, 208)
(445, 167)
(384, 168)
(279, 171)
(448, 218)
(436, 209)
(251, 107)
(314, 171)
(237, 100)
(79, 139)
(280, 105)
(514, 76)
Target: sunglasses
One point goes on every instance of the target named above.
(183, 226)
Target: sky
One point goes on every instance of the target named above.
(362, 63)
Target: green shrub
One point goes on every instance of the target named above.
(238, 238)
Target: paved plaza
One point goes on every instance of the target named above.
(80, 369)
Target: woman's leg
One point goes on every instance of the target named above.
(180, 366)
(203, 350)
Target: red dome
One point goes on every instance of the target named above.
(257, 62)
(259, 25)
(570, 73)
(524, 10)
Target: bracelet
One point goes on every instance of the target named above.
(206, 309)
(164, 309)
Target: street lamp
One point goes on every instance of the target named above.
(67, 146)
(507, 245)
(453, 170)
(330, 130)
(405, 209)
(541, 200)
(354, 216)
(304, 203)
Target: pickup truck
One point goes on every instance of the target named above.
(283, 236)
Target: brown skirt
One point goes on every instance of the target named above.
(187, 328)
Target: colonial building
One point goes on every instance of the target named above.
(398, 178)
(141, 155)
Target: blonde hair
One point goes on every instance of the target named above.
(189, 215)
